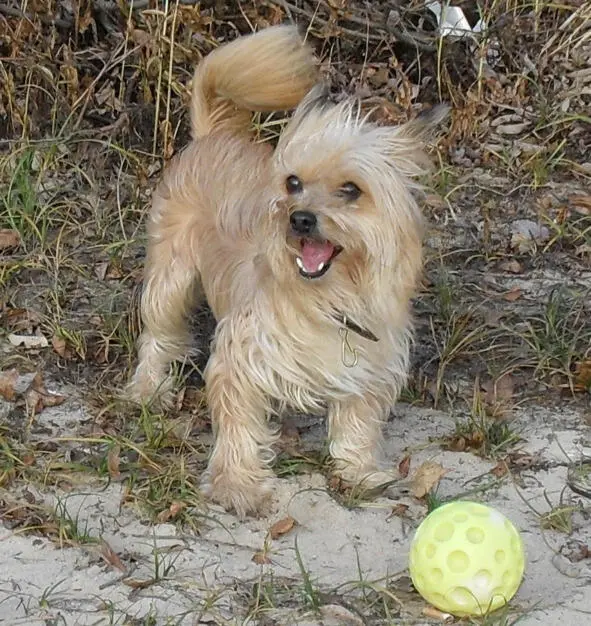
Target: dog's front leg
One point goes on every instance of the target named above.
(355, 432)
(238, 473)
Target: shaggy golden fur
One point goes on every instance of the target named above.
(308, 255)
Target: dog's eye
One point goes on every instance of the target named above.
(350, 191)
(293, 184)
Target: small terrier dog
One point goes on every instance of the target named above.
(308, 255)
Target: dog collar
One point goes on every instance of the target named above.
(347, 322)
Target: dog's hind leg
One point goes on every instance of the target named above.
(170, 292)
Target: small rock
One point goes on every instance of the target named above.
(526, 233)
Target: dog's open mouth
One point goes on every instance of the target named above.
(315, 257)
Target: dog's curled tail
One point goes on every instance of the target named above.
(270, 70)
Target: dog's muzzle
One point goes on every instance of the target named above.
(303, 222)
(316, 253)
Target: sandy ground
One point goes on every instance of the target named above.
(210, 578)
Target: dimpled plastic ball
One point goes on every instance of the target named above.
(466, 558)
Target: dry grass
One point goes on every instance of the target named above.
(92, 104)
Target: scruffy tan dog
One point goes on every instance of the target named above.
(308, 255)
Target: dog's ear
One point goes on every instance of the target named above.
(317, 99)
(426, 123)
(405, 145)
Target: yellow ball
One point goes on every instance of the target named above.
(466, 558)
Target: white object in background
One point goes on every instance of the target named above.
(452, 21)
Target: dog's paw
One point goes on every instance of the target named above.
(145, 391)
(245, 497)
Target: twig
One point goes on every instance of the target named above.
(45, 19)
(384, 24)
(322, 22)
(384, 27)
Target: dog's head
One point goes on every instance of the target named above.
(345, 208)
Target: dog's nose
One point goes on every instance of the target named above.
(303, 222)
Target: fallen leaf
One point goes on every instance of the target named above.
(8, 381)
(28, 459)
(399, 510)
(140, 37)
(100, 270)
(171, 512)
(290, 435)
(114, 272)
(576, 551)
(512, 265)
(435, 201)
(337, 614)
(9, 238)
(135, 583)
(581, 204)
(433, 613)
(582, 377)
(20, 320)
(521, 460)
(526, 233)
(282, 527)
(500, 469)
(404, 466)
(499, 391)
(28, 341)
(426, 478)
(335, 483)
(113, 460)
(458, 444)
(37, 397)
(513, 294)
(59, 344)
(111, 557)
(260, 558)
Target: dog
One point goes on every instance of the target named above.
(307, 253)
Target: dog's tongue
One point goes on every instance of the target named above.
(314, 253)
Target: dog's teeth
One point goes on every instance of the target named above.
(300, 263)
(320, 267)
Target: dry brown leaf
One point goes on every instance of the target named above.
(111, 557)
(582, 378)
(500, 469)
(59, 344)
(20, 320)
(9, 238)
(260, 558)
(499, 391)
(113, 460)
(512, 265)
(135, 583)
(581, 204)
(28, 459)
(426, 478)
(458, 444)
(282, 527)
(140, 37)
(433, 613)
(435, 201)
(404, 466)
(114, 272)
(100, 270)
(8, 381)
(176, 507)
(513, 294)
(37, 397)
(399, 510)
(171, 512)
